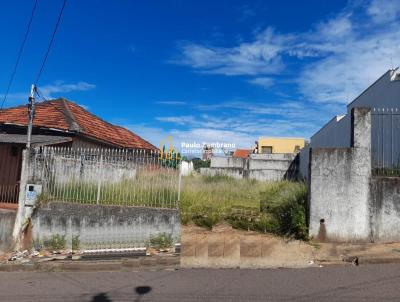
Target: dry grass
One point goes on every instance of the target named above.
(275, 207)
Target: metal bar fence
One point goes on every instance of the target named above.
(385, 141)
(9, 193)
(105, 176)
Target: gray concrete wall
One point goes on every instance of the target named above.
(227, 162)
(67, 169)
(385, 209)
(263, 167)
(339, 188)
(103, 225)
(230, 172)
(7, 220)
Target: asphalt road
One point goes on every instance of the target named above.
(350, 283)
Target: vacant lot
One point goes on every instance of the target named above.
(269, 207)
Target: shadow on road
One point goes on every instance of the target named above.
(102, 297)
(141, 291)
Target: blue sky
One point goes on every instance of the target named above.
(227, 71)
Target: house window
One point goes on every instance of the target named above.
(266, 149)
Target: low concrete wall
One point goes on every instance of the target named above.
(227, 162)
(104, 224)
(263, 167)
(232, 172)
(7, 220)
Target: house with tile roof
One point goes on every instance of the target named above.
(65, 122)
(59, 123)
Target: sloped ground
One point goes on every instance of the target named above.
(226, 247)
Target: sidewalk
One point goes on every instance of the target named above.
(124, 264)
(367, 253)
(223, 247)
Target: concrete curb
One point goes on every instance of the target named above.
(128, 264)
(362, 260)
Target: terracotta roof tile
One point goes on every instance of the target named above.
(242, 153)
(64, 115)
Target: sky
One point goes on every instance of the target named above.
(204, 71)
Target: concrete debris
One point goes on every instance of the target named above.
(26, 256)
(19, 255)
(352, 259)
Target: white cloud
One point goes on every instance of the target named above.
(180, 120)
(86, 107)
(383, 11)
(48, 91)
(243, 122)
(337, 27)
(263, 82)
(343, 75)
(346, 53)
(259, 57)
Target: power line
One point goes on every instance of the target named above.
(19, 55)
(39, 93)
(50, 43)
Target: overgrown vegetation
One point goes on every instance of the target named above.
(387, 172)
(199, 163)
(270, 207)
(75, 242)
(55, 242)
(162, 240)
(150, 188)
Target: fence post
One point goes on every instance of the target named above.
(69, 237)
(179, 183)
(99, 180)
(19, 219)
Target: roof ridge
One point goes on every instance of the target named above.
(73, 124)
(108, 123)
(133, 133)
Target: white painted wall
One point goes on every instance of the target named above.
(186, 168)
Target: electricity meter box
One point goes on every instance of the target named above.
(32, 193)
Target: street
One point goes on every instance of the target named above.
(344, 283)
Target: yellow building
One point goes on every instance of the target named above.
(280, 144)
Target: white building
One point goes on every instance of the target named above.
(384, 96)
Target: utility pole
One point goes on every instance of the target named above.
(31, 110)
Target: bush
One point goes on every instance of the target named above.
(286, 203)
(55, 242)
(199, 163)
(75, 242)
(268, 207)
(162, 240)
